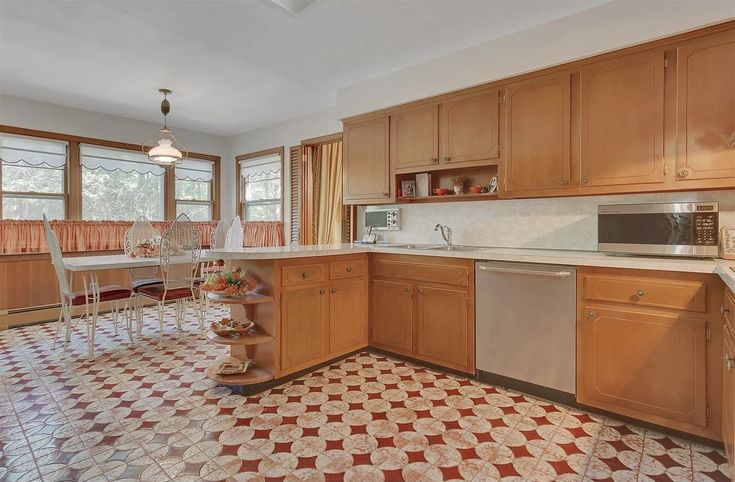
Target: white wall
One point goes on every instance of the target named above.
(550, 223)
(607, 27)
(31, 114)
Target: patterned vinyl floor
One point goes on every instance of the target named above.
(140, 413)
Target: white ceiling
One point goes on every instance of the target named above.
(235, 65)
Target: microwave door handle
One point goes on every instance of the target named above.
(530, 272)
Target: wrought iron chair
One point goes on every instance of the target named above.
(141, 231)
(180, 251)
(216, 241)
(234, 237)
(92, 295)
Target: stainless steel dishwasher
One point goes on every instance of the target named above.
(526, 319)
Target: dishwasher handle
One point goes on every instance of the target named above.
(530, 272)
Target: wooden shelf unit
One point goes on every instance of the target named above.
(254, 374)
(450, 197)
(243, 340)
(251, 299)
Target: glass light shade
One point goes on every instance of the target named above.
(165, 154)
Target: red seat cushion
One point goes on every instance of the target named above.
(158, 291)
(137, 284)
(107, 293)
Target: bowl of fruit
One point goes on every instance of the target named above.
(234, 283)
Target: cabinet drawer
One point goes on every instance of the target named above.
(347, 269)
(641, 291)
(728, 310)
(433, 273)
(309, 273)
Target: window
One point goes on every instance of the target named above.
(260, 188)
(120, 185)
(33, 173)
(194, 187)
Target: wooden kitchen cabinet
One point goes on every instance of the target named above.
(347, 315)
(705, 87)
(622, 121)
(728, 395)
(469, 129)
(537, 135)
(414, 137)
(424, 307)
(304, 326)
(441, 328)
(391, 315)
(366, 169)
(648, 357)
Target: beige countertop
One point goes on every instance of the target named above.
(543, 256)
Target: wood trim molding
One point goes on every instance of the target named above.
(666, 43)
(73, 172)
(252, 155)
(328, 139)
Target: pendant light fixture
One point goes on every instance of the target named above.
(163, 148)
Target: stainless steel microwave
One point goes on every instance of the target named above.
(670, 229)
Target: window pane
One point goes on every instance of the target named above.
(269, 188)
(263, 212)
(119, 195)
(29, 207)
(25, 178)
(196, 212)
(194, 190)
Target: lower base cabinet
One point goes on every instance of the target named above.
(423, 307)
(651, 356)
(304, 325)
(728, 395)
(347, 315)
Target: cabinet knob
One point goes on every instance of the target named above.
(585, 180)
(446, 158)
(729, 362)
(349, 269)
(385, 194)
(435, 160)
(421, 292)
(334, 290)
(563, 181)
(305, 274)
(724, 310)
(640, 293)
(322, 291)
(683, 173)
(407, 289)
(591, 314)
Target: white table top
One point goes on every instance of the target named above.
(119, 261)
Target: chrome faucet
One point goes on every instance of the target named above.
(446, 233)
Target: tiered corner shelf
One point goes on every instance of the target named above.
(243, 347)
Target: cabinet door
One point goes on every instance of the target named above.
(643, 365)
(391, 315)
(347, 315)
(366, 164)
(442, 326)
(537, 137)
(706, 108)
(414, 137)
(304, 325)
(728, 395)
(622, 120)
(469, 129)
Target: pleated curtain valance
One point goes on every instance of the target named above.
(20, 237)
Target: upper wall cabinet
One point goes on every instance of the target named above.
(367, 177)
(622, 121)
(706, 108)
(469, 129)
(414, 137)
(537, 136)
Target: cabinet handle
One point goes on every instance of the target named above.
(724, 310)
(640, 293)
(421, 292)
(435, 160)
(334, 290)
(591, 314)
(729, 362)
(446, 158)
(322, 291)
(683, 174)
(585, 180)
(305, 274)
(349, 269)
(407, 290)
(385, 194)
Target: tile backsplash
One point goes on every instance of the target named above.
(549, 223)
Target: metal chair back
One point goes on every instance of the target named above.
(142, 230)
(234, 236)
(180, 251)
(219, 235)
(56, 259)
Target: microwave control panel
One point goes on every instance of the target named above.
(705, 229)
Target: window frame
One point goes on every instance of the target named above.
(73, 171)
(198, 202)
(240, 203)
(64, 195)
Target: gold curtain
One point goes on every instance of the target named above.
(328, 203)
